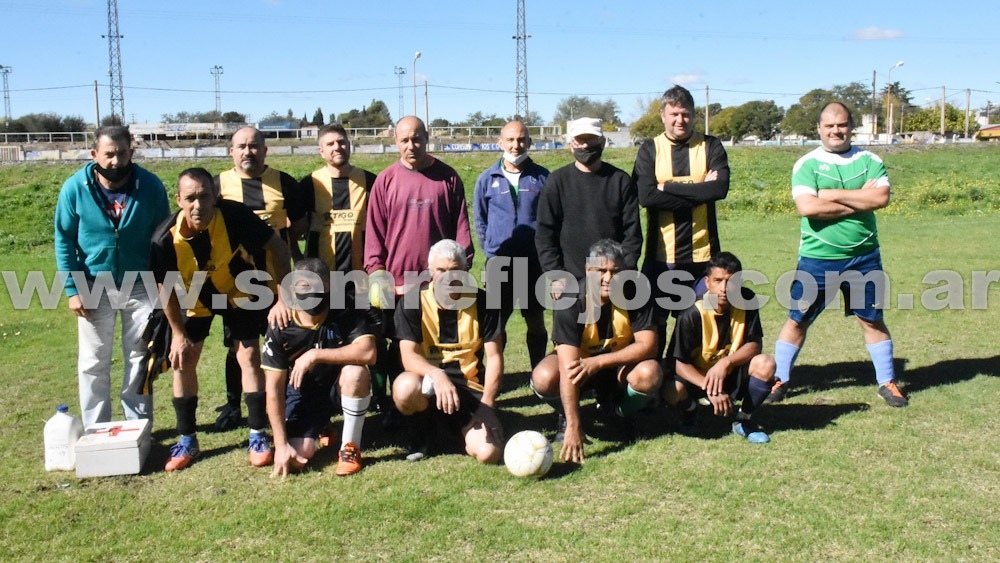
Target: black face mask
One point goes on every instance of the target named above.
(319, 308)
(588, 155)
(114, 175)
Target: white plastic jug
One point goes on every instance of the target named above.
(61, 433)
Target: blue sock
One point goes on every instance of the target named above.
(784, 356)
(881, 353)
(188, 440)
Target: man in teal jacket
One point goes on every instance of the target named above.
(104, 220)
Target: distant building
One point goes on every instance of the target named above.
(989, 133)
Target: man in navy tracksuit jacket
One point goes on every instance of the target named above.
(505, 205)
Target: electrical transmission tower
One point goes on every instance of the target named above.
(115, 63)
(521, 99)
(400, 71)
(217, 71)
(5, 70)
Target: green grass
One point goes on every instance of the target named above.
(845, 478)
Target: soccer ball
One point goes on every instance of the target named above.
(528, 454)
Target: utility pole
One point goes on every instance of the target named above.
(217, 72)
(521, 97)
(943, 100)
(968, 110)
(706, 109)
(97, 107)
(115, 64)
(427, 110)
(5, 70)
(874, 117)
(415, 57)
(400, 71)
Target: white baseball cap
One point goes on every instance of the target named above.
(584, 126)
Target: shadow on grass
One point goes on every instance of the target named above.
(160, 453)
(813, 378)
(788, 416)
(170, 433)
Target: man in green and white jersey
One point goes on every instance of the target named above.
(837, 189)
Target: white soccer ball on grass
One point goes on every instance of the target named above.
(528, 454)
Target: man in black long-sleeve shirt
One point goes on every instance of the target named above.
(679, 176)
(584, 202)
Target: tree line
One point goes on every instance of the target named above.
(762, 119)
(765, 120)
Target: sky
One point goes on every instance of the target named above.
(293, 54)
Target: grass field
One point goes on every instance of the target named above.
(845, 478)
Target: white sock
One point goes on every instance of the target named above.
(355, 409)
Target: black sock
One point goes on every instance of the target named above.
(256, 410)
(234, 380)
(185, 408)
(758, 390)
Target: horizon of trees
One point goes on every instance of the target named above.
(763, 119)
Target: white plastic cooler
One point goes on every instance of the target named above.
(113, 448)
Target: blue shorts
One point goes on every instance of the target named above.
(860, 278)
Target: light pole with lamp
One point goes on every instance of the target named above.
(415, 57)
(888, 103)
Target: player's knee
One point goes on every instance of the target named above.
(545, 377)
(646, 376)
(248, 354)
(306, 447)
(490, 454)
(673, 392)
(484, 452)
(762, 366)
(406, 393)
(355, 381)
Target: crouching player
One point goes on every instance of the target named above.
(615, 351)
(304, 360)
(443, 336)
(716, 353)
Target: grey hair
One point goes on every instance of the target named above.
(449, 250)
(610, 250)
(677, 96)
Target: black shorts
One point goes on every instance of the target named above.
(238, 324)
(736, 385)
(308, 409)
(674, 305)
(470, 404)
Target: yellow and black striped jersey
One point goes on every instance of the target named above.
(702, 336)
(234, 242)
(338, 209)
(274, 196)
(613, 330)
(450, 339)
